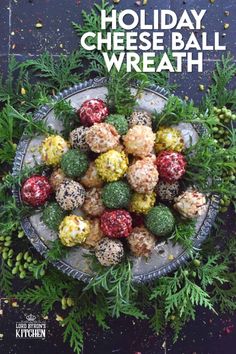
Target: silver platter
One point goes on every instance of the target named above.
(166, 256)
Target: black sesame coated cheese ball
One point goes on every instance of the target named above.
(70, 195)
(109, 252)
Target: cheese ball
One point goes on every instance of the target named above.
(141, 242)
(70, 195)
(139, 141)
(78, 139)
(191, 204)
(116, 223)
(119, 122)
(52, 149)
(91, 178)
(170, 165)
(116, 195)
(95, 234)
(93, 204)
(74, 163)
(57, 178)
(112, 165)
(93, 111)
(167, 191)
(53, 216)
(160, 221)
(73, 230)
(109, 252)
(102, 137)
(140, 118)
(36, 190)
(141, 203)
(143, 176)
(168, 138)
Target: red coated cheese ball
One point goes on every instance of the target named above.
(116, 223)
(170, 165)
(93, 111)
(36, 190)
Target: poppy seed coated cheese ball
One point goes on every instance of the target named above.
(116, 195)
(141, 242)
(73, 230)
(191, 204)
(92, 111)
(102, 137)
(140, 118)
(74, 163)
(119, 122)
(52, 149)
(143, 176)
(160, 221)
(78, 139)
(93, 204)
(139, 141)
(109, 252)
(70, 195)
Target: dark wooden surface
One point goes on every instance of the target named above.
(209, 334)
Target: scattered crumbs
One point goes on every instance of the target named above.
(38, 24)
(171, 257)
(1, 336)
(226, 25)
(226, 13)
(23, 91)
(1, 312)
(201, 87)
(14, 304)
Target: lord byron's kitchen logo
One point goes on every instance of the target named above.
(31, 328)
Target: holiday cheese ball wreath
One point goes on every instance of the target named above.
(122, 176)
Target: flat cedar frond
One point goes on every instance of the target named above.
(219, 95)
(59, 73)
(73, 332)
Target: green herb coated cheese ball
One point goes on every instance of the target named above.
(53, 216)
(119, 122)
(116, 195)
(74, 163)
(160, 221)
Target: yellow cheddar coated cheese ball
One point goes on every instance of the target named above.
(52, 149)
(112, 165)
(168, 138)
(73, 230)
(141, 203)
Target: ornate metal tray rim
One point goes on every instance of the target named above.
(41, 247)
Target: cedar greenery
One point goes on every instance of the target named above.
(209, 280)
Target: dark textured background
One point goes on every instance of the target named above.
(209, 334)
